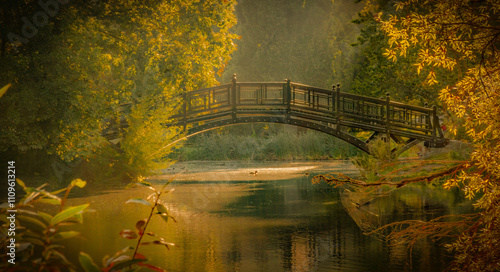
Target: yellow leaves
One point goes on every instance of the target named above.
(449, 64)
(450, 183)
(107, 57)
(370, 6)
(117, 61)
(471, 183)
(390, 54)
(4, 89)
(145, 59)
(457, 39)
(400, 5)
(419, 65)
(431, 78)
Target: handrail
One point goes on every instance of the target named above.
(219, 87)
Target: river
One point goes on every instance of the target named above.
(230, 218)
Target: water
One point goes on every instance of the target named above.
(231, 220)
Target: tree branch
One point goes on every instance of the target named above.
(339, 179)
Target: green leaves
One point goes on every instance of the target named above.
(87, 263)
(67, 213)
(38, 233)
(46, 217)
(119, 256)
(125, 264)
(141, 226)
(139, 201)
(33, 220)
(64, 235)
(163, 212)
(21, 183)
(43, 232)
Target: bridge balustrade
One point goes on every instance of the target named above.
(302, 101)
(329, 111)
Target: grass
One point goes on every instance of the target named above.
(286, 143)
(380, 165)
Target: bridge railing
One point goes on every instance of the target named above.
(362, 111)
(311, 98)
(209, 99)
(295, 100)
(271, 93)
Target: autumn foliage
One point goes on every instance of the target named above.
(462, 37)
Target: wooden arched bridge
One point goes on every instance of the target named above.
(329, 111)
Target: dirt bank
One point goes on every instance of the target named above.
(240, 171)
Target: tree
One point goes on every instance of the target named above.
(161, 50)
(375, 74)
(462, 37)
(103, 55)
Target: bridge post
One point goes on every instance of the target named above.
(428, 119)
(387, 113)
(337, 105)
(288, 99)
(388, 120)
(233, 97)
(434, 121)
(184, 108)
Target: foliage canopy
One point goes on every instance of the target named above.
(91, 58)
(462, 37)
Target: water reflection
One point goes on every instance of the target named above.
(267, 224)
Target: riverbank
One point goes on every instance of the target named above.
(250, 170)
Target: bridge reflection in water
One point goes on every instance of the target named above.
(329, 111)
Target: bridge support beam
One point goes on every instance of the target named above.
(388, 120)
(288, 97)
(337, 105)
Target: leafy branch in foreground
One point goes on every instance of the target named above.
(38, 234)
(122, 261)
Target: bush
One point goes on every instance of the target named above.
(369, 165)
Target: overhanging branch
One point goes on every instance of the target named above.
(338, 179)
